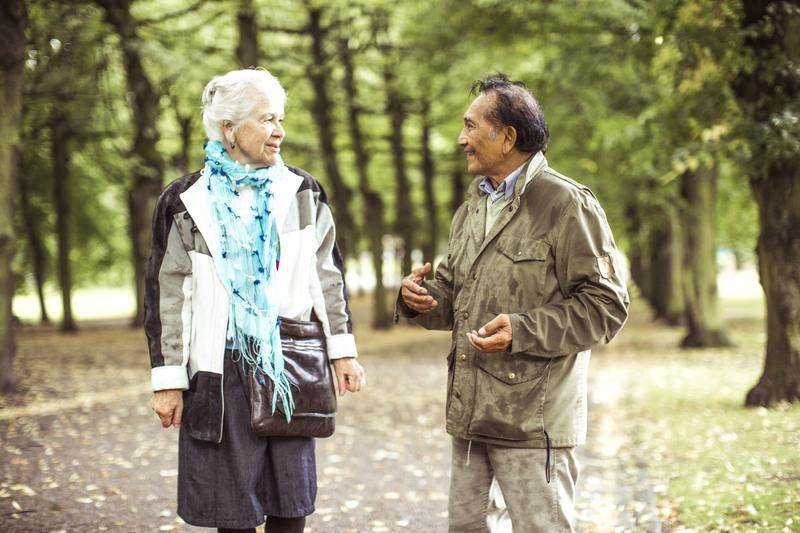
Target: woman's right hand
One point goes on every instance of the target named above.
(168, 405)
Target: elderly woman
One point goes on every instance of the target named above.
(235, 245)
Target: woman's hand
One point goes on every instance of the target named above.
(349, 374)
(168, 405)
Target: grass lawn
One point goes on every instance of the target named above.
(716, 465)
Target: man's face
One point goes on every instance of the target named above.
(481, 140)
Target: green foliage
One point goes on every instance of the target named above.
(634, 94)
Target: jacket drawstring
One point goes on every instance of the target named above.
(469, 449)
(547, 463)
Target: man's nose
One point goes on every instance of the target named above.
(462, 139)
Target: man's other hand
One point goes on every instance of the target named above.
(494, 336)
(414, 295)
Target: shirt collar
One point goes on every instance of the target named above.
(506, 187)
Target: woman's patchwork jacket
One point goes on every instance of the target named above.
(187, 305)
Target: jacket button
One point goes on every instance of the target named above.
(186, 216)
(462, 357)
(475, 275)
(465, 314)
(512, 375)
(519, 253)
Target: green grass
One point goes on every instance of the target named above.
(717, 465)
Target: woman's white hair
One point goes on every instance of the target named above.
(233, 97)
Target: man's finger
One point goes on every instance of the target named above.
(411, 286)
(492, 326)
(420, 272)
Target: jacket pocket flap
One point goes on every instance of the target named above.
(523, 249)
(513, 369)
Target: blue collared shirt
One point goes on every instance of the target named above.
(506, 188)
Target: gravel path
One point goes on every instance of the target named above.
(80, 455)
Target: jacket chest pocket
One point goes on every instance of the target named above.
(522, 265)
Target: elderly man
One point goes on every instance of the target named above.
(531, 282)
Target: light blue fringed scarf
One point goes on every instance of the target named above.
(248, 264)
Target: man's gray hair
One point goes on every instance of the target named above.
(233, 97)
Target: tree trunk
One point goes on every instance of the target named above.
(13, 19)
(457, 183)
(778, 250)
(32, 224)
(61, 180)
(321, 108)
(770, 89)
(428, 175)
(147, 164)
(247, 49)
(666, 258)
(639, 254)
(373, 204)
(703, 321)
(404, 210)
(185, 126)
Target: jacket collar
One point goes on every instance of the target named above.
(196, 200)
(477, 206)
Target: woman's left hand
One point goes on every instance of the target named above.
(349, 374)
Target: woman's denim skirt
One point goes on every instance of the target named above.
(237, 483)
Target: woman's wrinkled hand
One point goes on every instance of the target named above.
(168, 405)
(349, 374)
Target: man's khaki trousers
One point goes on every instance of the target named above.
(533, 504)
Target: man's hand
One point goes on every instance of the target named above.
(168, 405)
(494, 336)
(415, 295)
(349, 375)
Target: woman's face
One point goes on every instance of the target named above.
(258, 138)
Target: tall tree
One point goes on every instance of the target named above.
(396, 109)
(768, 91)
(428, 177)
(148, 165)
(247, 49)
(703, 320)
(32, 222)
(59, 147)
(373, 203)
(319, 74)
(13, 18)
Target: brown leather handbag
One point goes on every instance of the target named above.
(305, 357)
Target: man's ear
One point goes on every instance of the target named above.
(509, 139)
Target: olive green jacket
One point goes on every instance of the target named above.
(551, 264)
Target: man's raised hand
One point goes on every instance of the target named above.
(414, 295)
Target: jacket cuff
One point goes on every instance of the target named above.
(169, 377)
(401, 309)
(342, 345)
(517, 342)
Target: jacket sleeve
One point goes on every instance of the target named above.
(440, 287)
(589, 272)
(330, 267)
(168, 302)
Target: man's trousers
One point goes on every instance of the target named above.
(533, 504)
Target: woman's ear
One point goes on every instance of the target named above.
(227, 131)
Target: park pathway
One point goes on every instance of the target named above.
(81, 450)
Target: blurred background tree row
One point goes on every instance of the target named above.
(681, 116)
